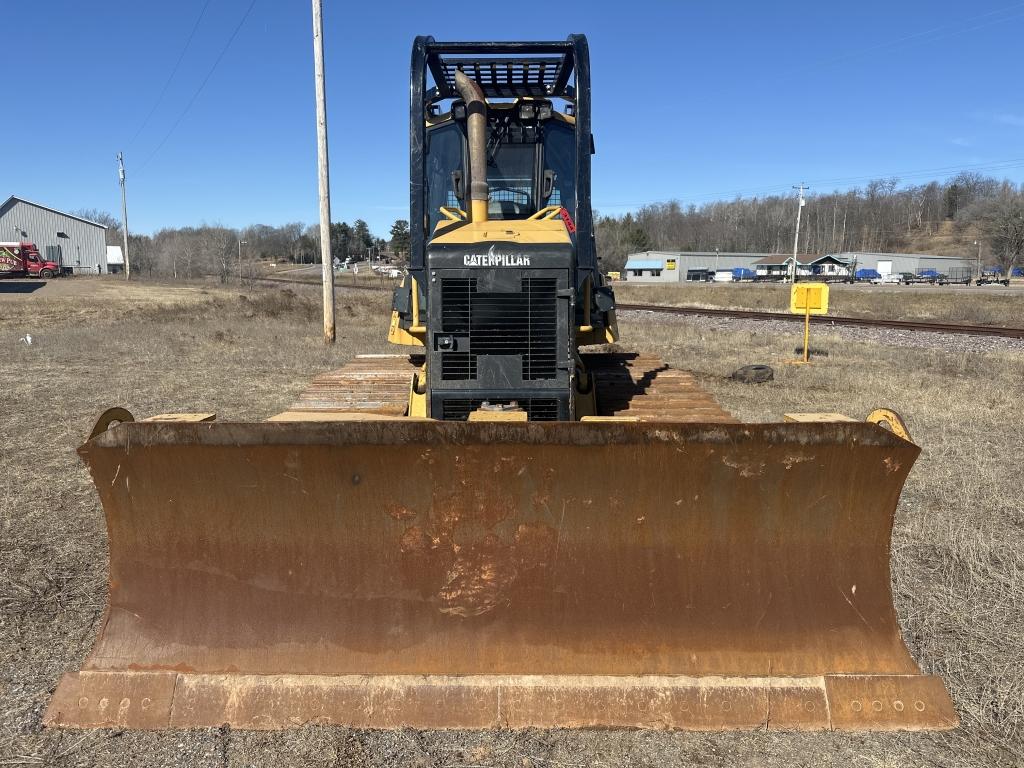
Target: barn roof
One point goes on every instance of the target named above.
(12, 199)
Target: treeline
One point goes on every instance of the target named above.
(883, 216)
(183, 253)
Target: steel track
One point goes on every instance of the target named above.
(824, 320)
(316, 283)
(753, 314)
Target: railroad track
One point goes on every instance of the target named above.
(824, 320)
(753, 314)
(339, 284)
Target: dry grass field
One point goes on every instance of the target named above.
(958, 546)
(986, 305)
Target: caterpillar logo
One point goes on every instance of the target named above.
(495, 260)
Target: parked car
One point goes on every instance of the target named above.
(893, 278)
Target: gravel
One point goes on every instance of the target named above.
(945, 342)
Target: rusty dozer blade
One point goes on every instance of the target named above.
(441, 575)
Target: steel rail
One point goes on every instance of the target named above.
(316, 282)
(824, 320)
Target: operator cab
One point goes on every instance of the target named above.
(531, 159)
(538, 139)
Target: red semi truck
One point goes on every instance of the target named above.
(23, 260)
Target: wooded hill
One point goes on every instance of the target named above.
(942, 218)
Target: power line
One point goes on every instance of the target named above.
(174, 71)
(202, 85)
(928, 35)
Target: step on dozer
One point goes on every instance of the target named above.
(501, 530)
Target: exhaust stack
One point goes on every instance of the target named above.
(476, 120)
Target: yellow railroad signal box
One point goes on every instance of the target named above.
(809, 299)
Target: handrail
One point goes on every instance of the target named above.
(547, 212)
(453, 214)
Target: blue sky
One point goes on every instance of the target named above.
(692, 101)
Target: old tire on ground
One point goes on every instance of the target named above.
(753, 374)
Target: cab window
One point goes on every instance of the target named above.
(510, 176)
(444, 156)
(560, 158)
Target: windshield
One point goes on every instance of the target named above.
(517, 157)
(510, 176)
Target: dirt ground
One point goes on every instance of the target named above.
(958, 556)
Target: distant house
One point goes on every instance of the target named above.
(115, 259)
(779, 266)
(776, 265)
(77, 244)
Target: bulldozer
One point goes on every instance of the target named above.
(514, 524)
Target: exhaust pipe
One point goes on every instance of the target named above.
(476, 119)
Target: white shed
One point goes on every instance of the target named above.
(115, 259)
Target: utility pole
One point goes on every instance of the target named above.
(323, 167)
(978, 243)
(240, 244)
(124, 216)
(796, 240)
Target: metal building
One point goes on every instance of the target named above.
(680, 266)
(914, 263)
(77, 244)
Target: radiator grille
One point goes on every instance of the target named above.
(524, 324)
(537, 408)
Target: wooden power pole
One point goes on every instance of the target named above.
(323, 167)
(796, 240)
(124, 216)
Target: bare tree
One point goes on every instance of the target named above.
(112, 235)
(1001, 222)
(217, 249)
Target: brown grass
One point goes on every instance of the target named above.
(958, 556)
(982, 306)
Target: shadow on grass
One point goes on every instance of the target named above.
(21, 286)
